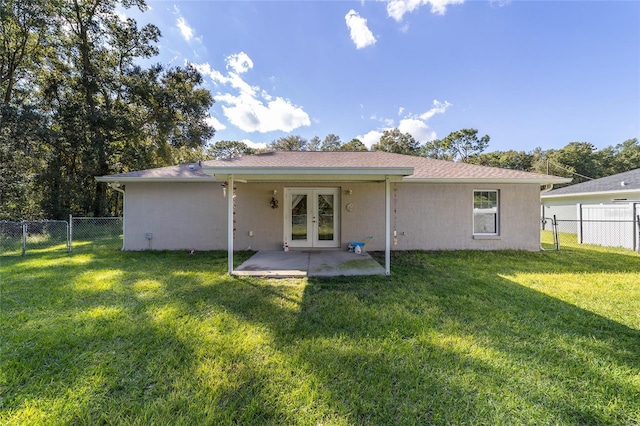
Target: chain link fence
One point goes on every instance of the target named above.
(18, 237)
(12, 238)
(93, 233)
(607, 233)
(78, 234)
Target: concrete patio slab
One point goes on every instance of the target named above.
(309, 263)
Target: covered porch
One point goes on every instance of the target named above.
(309, 263)
(313, 210)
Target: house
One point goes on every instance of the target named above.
(324, 200)
(601, 211)
(620, 188)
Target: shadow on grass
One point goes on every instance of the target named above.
(450, 351)
(167, 337)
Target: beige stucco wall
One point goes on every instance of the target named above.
(440, 217)
(254, 213)
(425, 216)
(188, 216)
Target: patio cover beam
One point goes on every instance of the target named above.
(230, 223)
(387, 226)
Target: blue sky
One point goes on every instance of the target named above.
(527, 73)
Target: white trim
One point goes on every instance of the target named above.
(338, 177)
(583, 194)
(551, 180)
(156, 179)
(230, 224)
(312, 240)
(363, 174)
(387, 227)
(497, 213)
(314, 178)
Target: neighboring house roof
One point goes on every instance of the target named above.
(621, 182)
(367, 165)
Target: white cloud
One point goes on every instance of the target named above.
(361, 35)
(239, 62)
(420, 131)
(215, 123)
(248, 107)
(185, 29)
(499, 3)
(388, 122)
(396, 9)
(438, 108)
(415, 125)
(370, 138)
(256, 145)
(253, 115)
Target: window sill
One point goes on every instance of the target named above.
(486, 237)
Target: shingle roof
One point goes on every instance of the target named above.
(183, 171)
(423, 168)
(611, 183)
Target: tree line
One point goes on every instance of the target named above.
(578, 160)
(75, 104)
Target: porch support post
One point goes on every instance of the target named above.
(230, 223)
(387, 226)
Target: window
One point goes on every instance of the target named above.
(485, 212)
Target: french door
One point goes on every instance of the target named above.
(312, 217)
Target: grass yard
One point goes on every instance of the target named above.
(106, 337)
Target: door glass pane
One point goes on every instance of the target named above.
(325, 217)
(298, 217)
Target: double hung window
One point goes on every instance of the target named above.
(485, 212)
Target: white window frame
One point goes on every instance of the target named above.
(492, 210)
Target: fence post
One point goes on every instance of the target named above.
(638, 234)
(70, 236)
(24, 238)
(580, 229)
(556, 239)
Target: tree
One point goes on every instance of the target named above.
(23, 40)
(222, 150)
(620, 158)
(21, 133)
(515, 160)
(331, 143)
(289, 143)
(74, 104)
(461, 145)
(314, 144)
(354, 145)
(579, 157)
(397, 142)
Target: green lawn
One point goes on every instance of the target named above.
(106, 337)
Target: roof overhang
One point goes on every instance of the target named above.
(586, 194)
(309, 174)
(126, 179)
(539, 181)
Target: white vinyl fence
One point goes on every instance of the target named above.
(609, 225)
